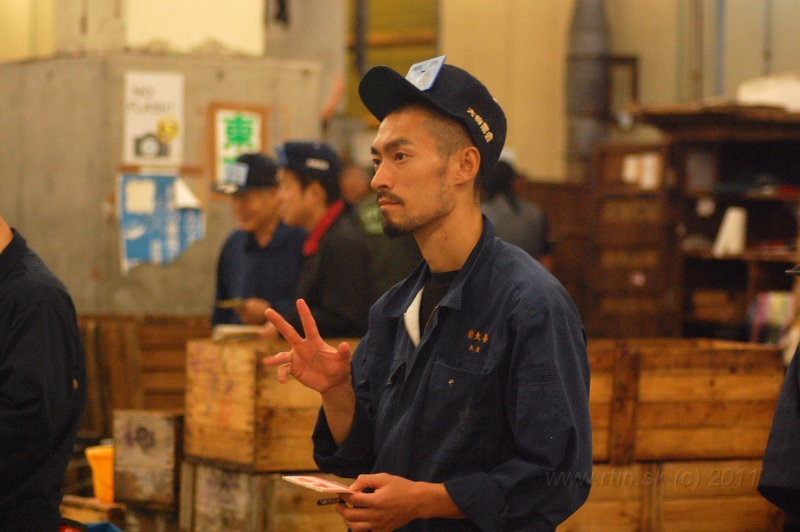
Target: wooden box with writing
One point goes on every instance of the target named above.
(147, 455)
(238, 412)
(222, 498)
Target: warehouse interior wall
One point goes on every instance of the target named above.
(686, 50)
(63, 122)
(519, 50)
(517, 47)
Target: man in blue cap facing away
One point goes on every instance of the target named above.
(336, 275)
(465, 406)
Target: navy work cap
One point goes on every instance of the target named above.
(251, 170)
(315, 160)
(454, 92)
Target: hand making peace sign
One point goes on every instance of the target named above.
(311, 361)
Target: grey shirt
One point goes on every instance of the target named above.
(525, 228)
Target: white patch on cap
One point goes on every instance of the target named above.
(422, 75)
(317, 164)
(235, 174)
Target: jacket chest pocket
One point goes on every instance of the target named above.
(463, 410)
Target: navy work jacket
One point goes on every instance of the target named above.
(492, 401)
(780, 475)
(247, 270)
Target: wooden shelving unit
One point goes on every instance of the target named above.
(712, 158)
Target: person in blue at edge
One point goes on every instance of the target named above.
(260, 261)
(465, 406)
(780, 474)
(42, 387)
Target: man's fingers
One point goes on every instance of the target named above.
(283, 326)
(284, 371)
(359, 519)
(344, 350)
(309, 325)
(375, 480)
(278, 359)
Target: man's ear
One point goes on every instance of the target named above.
(317, 192)
(469, 163)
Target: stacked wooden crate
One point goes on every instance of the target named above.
(91, 510)
(679, 430)
(147, 456)
(135, 362)
(679, 427)
(221, 497)
(243, 430)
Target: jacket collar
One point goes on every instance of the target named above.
(12, 254)
(402, 299)
(311, 245)
(279, 239)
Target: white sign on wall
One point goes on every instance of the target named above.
(153, 119)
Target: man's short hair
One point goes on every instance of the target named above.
(450, 134)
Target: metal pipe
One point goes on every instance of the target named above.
(720, 84)
(680, 47)
(767, 51)
(586, 86)
(696, 50)
(361, 47)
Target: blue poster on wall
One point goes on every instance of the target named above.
(159, 219)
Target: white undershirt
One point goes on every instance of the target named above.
(411, 319)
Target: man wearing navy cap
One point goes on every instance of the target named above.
(465, 406)
(260, 261)
(336, 276)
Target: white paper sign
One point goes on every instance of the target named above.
(153, 119)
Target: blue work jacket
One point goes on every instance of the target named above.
(247, 270)
(492, 401)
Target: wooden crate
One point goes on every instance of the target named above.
(91, 510)
(679, 399)
(569, 210)
(150, 520)
(162, 344)
(618, 502)
(718, 496)
(218, 498)
(135, 362)
(238, 412)
(602, 359)
(148, 446)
